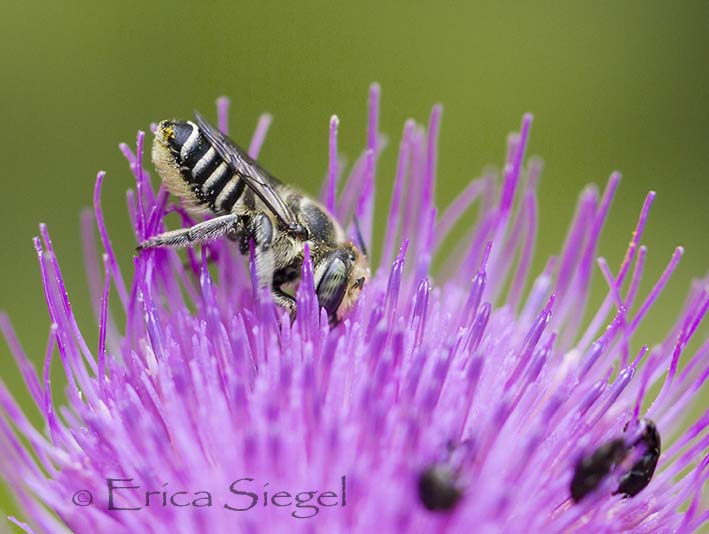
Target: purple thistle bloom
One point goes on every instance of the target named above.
(457, 404)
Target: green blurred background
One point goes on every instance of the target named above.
(613, 85)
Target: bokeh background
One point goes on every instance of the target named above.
(613, 85)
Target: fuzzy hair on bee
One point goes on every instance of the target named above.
(213, 176)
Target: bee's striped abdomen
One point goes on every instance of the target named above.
(210, 179)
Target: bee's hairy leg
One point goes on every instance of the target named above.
(260, 229)
(199, 233)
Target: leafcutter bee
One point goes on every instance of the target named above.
(213, 176)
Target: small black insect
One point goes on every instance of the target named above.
(640, 474)
(591, 470)
(438, 487)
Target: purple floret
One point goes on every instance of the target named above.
(202, 393)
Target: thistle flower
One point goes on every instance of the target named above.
(457, 403)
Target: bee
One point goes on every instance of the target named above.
(213, 176)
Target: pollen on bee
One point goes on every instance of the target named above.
(169, 130)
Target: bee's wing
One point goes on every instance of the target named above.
(257, 178)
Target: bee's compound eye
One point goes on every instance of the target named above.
(351, 256)
(332, 286)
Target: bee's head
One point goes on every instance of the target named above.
(339, 278)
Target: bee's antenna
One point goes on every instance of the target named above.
(358, 230)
